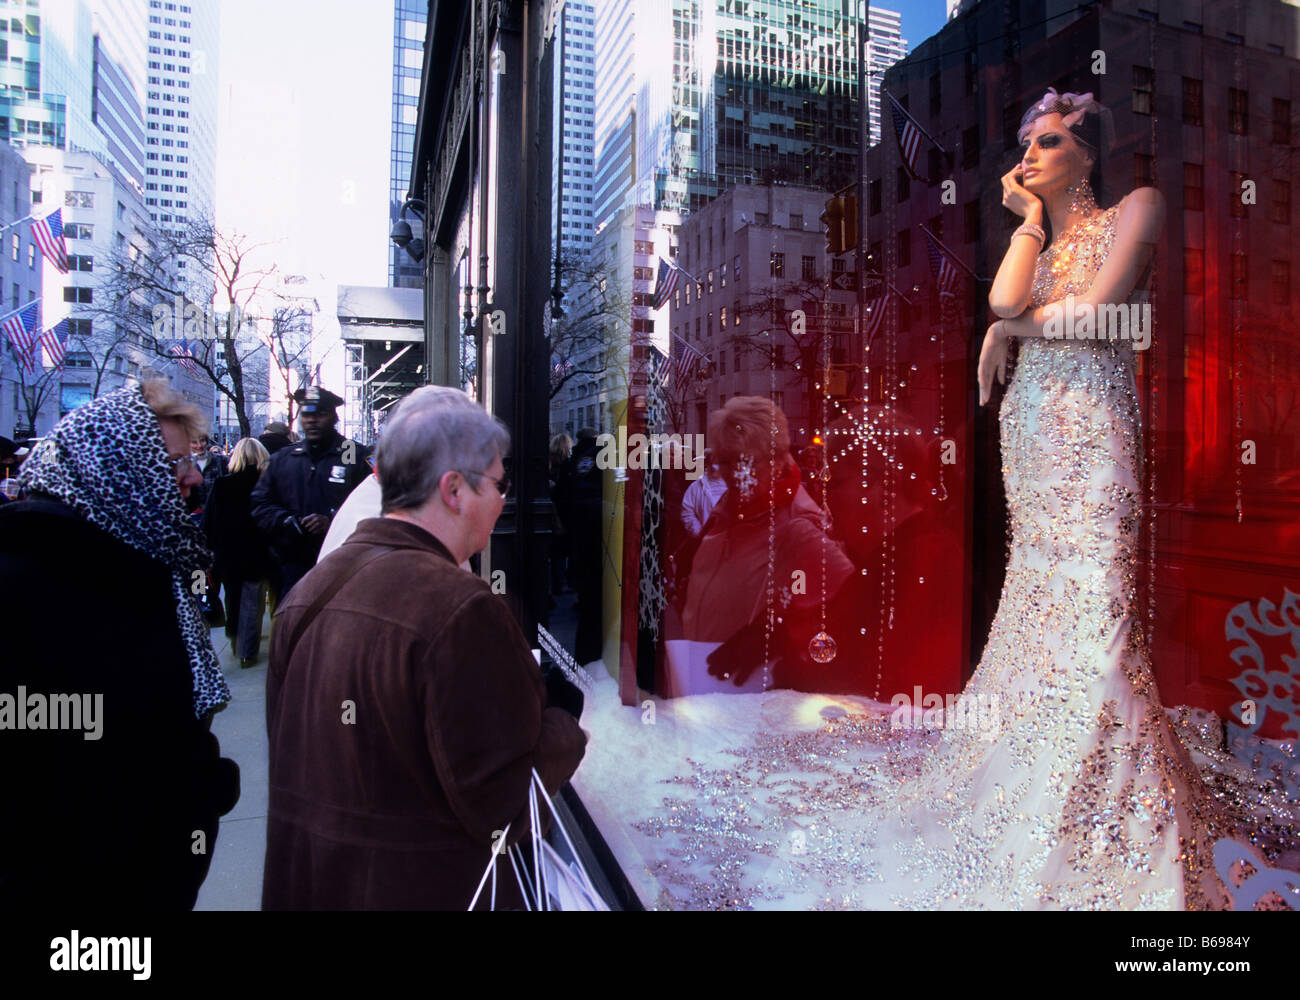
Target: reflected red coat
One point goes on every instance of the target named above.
(393, 803)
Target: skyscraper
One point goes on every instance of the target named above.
(575, 110)
(181, 111)
(73, 78)
(724, 93)
(409, 20)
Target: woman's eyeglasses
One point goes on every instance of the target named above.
(501, 485)
(180, 466)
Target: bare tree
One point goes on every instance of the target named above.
(597, 315)
(102, 346)
(289, 337)
(190, 298)
(36, 387)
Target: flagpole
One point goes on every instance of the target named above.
(917, 124)
(952, 256)
(19, 222)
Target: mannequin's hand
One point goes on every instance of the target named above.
(1017, 198)
(993, 361)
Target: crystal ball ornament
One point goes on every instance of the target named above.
(822, 648)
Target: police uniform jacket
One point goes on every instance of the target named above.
(298, 482)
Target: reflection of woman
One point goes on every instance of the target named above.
(1067, 787)
(99, 564)
(762, 550)
(243, 562)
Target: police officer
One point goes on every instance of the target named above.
(306, 484)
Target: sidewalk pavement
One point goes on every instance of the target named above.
(234, 881)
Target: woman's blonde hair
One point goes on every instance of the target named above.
(168, 404)
(249, 451)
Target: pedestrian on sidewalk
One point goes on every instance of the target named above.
(113, 781)
(405, 712)
(306, 484)
(241, 557)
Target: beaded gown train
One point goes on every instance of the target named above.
(1073, 791)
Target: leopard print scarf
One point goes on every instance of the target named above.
(107, 460)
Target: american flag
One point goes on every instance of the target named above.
(943, 263)
(48, 234)
(878, 306)
(687, 361)
(181, 350)
(909, 135)
(54, 341)
(20, 327)
(665, 283)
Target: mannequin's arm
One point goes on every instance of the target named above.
(1141, 217)
(1014, 281)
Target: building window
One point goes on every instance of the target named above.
(1281, 282)
(1193, 271)
(31, 256)
(1238, 111)
(1193, 187)
(796, 222)
(722, 319)
(14, 244)
(873, 190)
(971, 221)
(1143, 169)
(1143, 89)
(903, 247)
(735, 265)
(904, 184)
(77, 294)
(79, 199)
(777, 265)
(1281, 121)
(1192, 101)
(970, 148)
(1282, 201)
(808, 268)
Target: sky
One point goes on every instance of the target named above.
(304, 127)
(921, 18)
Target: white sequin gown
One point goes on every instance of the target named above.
(1061, 783)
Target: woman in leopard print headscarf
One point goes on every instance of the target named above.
(117, 803)
(108, 461)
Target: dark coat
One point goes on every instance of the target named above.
(217, 466)
(239, 550)
(397, 809)
(298, 483)
(108, 822)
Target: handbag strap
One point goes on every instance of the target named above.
(340, 578)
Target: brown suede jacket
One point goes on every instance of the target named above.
(403, 728)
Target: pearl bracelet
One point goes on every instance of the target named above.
(1034, 230)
